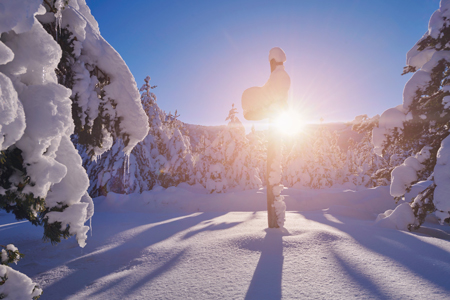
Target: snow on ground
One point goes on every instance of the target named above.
(181, 243)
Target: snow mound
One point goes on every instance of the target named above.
(399, 218)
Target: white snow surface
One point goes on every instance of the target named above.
(182, 243)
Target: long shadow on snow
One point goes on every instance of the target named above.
(156, 273)
(411, 252)
(266, 281)
(86, 270)
(151, 276)
(361, 279)
(211, 227)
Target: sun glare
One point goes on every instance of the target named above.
(289, 123)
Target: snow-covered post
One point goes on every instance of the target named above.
(265, 102)
(275, 204)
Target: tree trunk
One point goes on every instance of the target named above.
(271, 152)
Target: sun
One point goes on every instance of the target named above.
(289, 123)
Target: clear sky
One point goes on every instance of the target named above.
(344, 57)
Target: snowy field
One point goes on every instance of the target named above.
(180, 243)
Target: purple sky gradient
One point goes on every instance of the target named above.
(344, 57)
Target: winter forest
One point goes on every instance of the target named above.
(104, 195)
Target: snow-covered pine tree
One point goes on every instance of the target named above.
(41, 174)
(181, 162)
(230, 160)
(385, 138)
(426, 121)
(258, 152)
(241, 170)
(103, 90)
(326, 169)
(201, 161)
(163, 158)
(299, 163)
(13, 284)
(116, 172)
(362, 165)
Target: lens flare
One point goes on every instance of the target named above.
(289, 123)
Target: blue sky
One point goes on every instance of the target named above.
(344, 57)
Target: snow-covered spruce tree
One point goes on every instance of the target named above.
(299, 163)
(104, 93)
(115, 171)
(230, 160)
(169, 144)
(426, 121)
(180, 164)
(13, 284)
(258, 151)
(362, 165)
(162, 158)
(41, 176)
(385, 138)
(326, 169)
(314, 160)
(201, 160)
